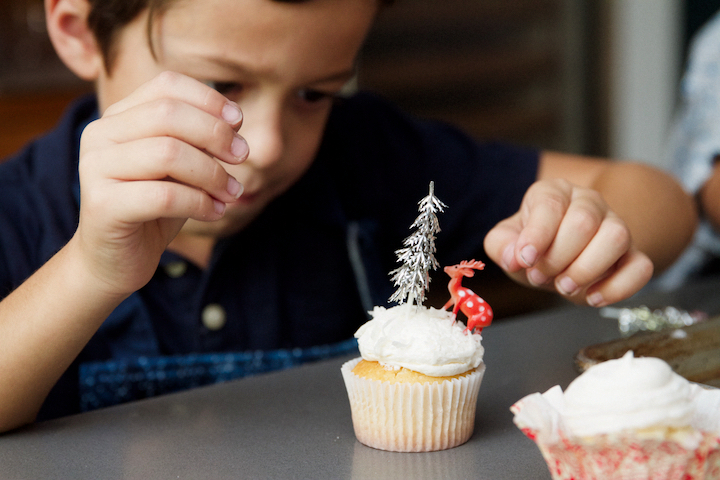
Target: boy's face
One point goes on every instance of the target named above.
(281, 62)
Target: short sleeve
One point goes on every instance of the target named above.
(695, 136)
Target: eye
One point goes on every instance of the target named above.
(226, 88)
(314, 96)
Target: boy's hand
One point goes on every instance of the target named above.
(151, 162)
(566, 238)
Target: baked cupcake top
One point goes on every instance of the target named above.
(627, 393)
(422, 339)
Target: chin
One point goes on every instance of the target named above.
(230, 224)
(206, 229)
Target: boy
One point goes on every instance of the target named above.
(190, 243)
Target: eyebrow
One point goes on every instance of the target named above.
(343, 75)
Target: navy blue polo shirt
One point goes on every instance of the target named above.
(291, 287)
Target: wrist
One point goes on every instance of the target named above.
(87, 277)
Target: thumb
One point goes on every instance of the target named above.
(500, 243)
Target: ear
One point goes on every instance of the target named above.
(73, 40)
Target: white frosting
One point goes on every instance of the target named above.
(627, 393)
(423, 339)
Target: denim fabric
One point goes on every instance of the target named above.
(103, 384)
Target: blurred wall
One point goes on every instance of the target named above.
(585, 76)
(35, 87)
(646, 48)
(596, 77)
(511, 70)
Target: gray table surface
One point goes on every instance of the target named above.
(296, 423)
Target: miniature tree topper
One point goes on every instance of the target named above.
(418, 257)
(418, 254)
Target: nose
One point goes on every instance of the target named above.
(263, 129)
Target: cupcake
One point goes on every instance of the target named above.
(415, 386)
(629, 418)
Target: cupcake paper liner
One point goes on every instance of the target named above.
(650, 454)
(412, 417)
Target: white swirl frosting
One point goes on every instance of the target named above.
(627, 393)
(422, 339)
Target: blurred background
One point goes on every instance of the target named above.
(597, 77)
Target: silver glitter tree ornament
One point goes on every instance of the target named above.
(418, 255)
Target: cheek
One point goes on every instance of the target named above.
(303, 154)
(303, 143)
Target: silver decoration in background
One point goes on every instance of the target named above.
(633, 320)
(418, 255)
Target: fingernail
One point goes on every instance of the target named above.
(507, 256)
(595, 299)
(234, 187)
(219, 207)
(528, 254)
(239, 148)
(567, 286)
(536, 277)
(231, 113)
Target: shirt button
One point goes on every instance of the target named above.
(176, 269)
(213, 316)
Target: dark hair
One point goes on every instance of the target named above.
(108, 17)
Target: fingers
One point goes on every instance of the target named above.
(582, 220)
(631, 273)
(168, 117)
(601, 252)
(588, 230)
(178, 106)
(171, 130)
(500, 243)
(521, 240)
(565, 238)
(542, 211)
(608, 269)
(153, 160)
(175, 86)
(160, 159)
(152, 200)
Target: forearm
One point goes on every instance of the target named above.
(660, 215)
(44, 324)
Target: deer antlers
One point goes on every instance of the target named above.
(464, 268)
(477, 265)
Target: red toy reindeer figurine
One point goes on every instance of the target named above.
(478, 312)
